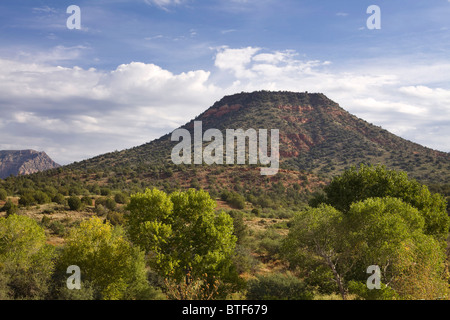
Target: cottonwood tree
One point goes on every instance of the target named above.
(386, 232)
(26, 260)
(181, 233)
(390, 233)
(317, 238)
(107, 261)
(372, 182)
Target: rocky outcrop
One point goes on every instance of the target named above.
(22, 162)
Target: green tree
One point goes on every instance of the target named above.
(181, 233)
(386, 232)
(390, 234)
(74, 203)
(41, 197)
(105, 191)
(59, 199)
(377, 182)
(278, 287)
(3, 194)
(120, 198)
(108, 262)
(26, 261)
(317, 238)
(86, 200)
(9, 208)
(27, 199)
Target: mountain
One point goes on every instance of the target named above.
(316, 136)
(23, 162)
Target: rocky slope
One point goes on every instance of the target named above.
(316, 135)
(21, 162)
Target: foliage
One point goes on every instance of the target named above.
(105, 202)
(317, 237)
(74, 203)
(41, 197)
(26, 261)
(86, 200)
(270, 244)
(234, 199)
(390, 234)
(182, 233)
(277, 287)
(200, 288)
(362, 292)
(106, 259)
(370, 182)
(3, 194)
(59, 199)
(9, 207)
(86, 292)
(120, 198)
(240, 230)
(115, 218)
(27, 199)
(378, 231)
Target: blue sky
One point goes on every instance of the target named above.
(139, 69)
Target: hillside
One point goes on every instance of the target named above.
(316, 135)
(24, 162)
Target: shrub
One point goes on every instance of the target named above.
(9, 207)
(41, 197)
(59, 199)
(237, 201)
(362, 292)
(277, 287)
(234, 199)
(57, 227)
(86, 200)
(115, 218)
(105, 191)
(74, 203)
(100, 209)
(107, 203)
(27, 199)
(110, 204)
(239, 226)
(120, 198)
(63, 190)
(117, 272)
(271, 243)
(243, 260)
(45, 221)
(3, 194)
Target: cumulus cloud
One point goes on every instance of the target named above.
(74, 113)
(86, 112)
(164, 4)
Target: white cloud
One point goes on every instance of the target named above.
(163, 4)
(236, 60)
(87, 112)
(45, 9)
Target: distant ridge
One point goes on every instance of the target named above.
(21, 162)
(316, 135)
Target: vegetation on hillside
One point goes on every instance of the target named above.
(316, 136)
(187, 244)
